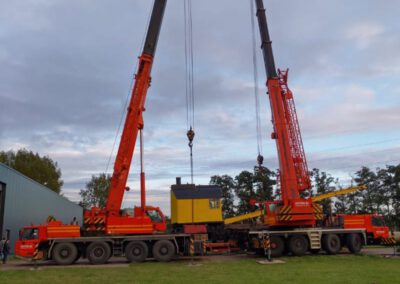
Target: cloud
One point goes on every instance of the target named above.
(67, 69)
(355, 108)
(364, 33)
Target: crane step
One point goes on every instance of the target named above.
(315, 239)
(117, 249)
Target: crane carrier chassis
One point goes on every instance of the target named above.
(98, 250)
(300, 241)
(35, 246)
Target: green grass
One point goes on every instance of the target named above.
(308, 269)
(13, 258)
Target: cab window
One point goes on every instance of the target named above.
(272, 207)
(30, 234)
(214, 203)
(154, 216)
(378, 222)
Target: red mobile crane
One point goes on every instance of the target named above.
(109, 220)
(294, 223)
(107, 231)
(291, 210)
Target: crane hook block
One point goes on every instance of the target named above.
(190, 135)
(260, 160)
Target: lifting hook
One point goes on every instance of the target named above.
(260, 160)
(190, 135)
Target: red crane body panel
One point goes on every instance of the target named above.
(287, 169)
(374, 224)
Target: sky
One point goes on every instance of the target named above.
(67, 67)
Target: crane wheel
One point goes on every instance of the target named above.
(331, 243)
(298, 245)
(98, 252)
(65, 253)
(136, 251)
(78, 256)
(354, 243)
(163, 250)
(277, 246)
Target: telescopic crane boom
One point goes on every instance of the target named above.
(293, 169)
(134, 116)
(109, 219)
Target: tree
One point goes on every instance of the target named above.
(257, 185)
(96, 192)
(340, 204)
(383, 192)
(390, 181)
(323, 183)
(369, 196)
(244, 191)
(227, 185)
(41, 169)
(264, 180)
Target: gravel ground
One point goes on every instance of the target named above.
(14, 264)
(385, 251)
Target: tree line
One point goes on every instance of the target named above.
(41, 169)
(382, 195)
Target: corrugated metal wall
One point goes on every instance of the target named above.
(29, 202)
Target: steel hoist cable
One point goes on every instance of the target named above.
(189, 78)
(260, 157)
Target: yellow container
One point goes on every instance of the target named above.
(195, 204)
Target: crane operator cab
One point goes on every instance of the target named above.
(156, 216)
(27, 241)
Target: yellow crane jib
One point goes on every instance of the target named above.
(338, 193)
(243, 217)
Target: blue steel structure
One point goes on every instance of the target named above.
(23, 201)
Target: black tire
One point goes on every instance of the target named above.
(277, 246)
(354, 243)
(98, 252)
(331, 243)
(298, 245)
(163, 250)
(78, 256)
(64, 253)
(136, 251)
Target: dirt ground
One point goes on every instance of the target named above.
(15, 264)
(385, 251)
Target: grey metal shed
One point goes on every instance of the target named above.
(23, 201)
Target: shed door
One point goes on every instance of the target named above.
(2, 204)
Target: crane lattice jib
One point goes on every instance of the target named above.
(295, 140)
